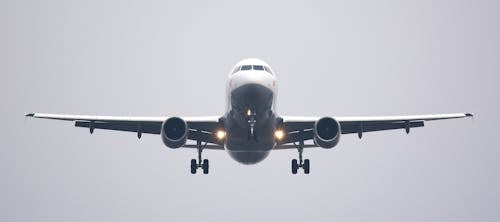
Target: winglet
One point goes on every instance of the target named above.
(29, 115)
(469, 114)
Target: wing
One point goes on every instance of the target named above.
(200, 128)
(293, 125)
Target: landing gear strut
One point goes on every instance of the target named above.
(304, 164)
(251, 119)
(199, 164)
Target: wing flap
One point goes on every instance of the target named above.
(152, 128)
(357, 127)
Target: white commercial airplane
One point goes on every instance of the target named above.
(250, 128)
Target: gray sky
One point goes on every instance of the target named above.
(152, 58)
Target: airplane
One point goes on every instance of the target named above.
(250, 128)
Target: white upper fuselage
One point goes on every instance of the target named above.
(244, 73)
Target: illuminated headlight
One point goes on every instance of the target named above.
(220, 134)
(279, 134)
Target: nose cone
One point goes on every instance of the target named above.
(250, 93)
(253, 78)
(248, 157)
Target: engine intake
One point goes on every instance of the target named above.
(326, 132)
(174, 132)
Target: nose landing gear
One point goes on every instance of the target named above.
(251, 118)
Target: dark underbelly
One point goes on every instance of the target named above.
(246, 157)
(244, 143)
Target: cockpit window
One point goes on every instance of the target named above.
(253, 67)
(268, 70)
(258, 67)
(236, 69)
(246, 67)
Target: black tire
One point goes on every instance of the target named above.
(194, 166)
(205, 166)
(306, 166)
(295, 166)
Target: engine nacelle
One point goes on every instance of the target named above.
(174, 132)
(326, 132)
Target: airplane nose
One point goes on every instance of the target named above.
(253, 78)
(254, 95)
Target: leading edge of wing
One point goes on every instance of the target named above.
(428, 117)
(116, 118)
(382, 118)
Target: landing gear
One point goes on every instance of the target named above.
(301, 164)
(304, 164)
(194, 166)
(295, 166)
(251, 119)
(199, 164)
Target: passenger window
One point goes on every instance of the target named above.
(246, 67)
(258, 67)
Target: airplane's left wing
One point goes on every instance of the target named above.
(200, 128)
(301, 128)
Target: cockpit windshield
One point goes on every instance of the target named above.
(258, 67)
(246, 67)
(252, 67)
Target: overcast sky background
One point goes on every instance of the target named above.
(156, 58)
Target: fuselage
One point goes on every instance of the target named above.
(250, 118)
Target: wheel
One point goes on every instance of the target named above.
(295, 166)
(205, 166)
(194, 166)
(306, 166)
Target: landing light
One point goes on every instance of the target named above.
(249, 112)
(279, 134)
(220, 134)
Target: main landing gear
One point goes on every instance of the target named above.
(304, 164)
(199, 164)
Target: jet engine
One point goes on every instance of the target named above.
(174, 132)
(326, 132)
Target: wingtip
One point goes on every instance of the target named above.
(469, 114)
(29, 115)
